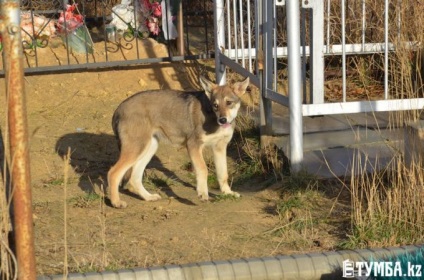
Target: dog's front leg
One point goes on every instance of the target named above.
(196, 156)
(220, 158)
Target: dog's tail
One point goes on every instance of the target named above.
(115, 126)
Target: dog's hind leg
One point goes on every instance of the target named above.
(138, 170)
(116, 173)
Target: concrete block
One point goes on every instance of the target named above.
(209, 271)
(414, 143)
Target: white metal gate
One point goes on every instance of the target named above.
(250, 34)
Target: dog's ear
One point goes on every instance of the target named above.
(207, 85)
(240, 87)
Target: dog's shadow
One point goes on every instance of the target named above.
(92, 155)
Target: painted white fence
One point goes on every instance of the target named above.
(252, 33)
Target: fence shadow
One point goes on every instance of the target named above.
(92, 155)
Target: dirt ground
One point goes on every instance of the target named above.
(72, 219)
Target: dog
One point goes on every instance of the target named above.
(191, 119)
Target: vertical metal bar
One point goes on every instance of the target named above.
(104, 31)
(265, 109)
(268, 26)
(399, 21)
(364, 24)
(328, 25)
(304, 57)
(317, 55)
(243, 62)
(18, 134)
(187, 31)
(249, 36)
(344, 50)
(228, 26)
(65, 2)
(219, 27)
(168, 29)
(33, 37)
(206, 25)
(235, 30)
(180, 29)
(274, 37)
(258, 38)
(295, 88)
(386, 49)
(136, 34)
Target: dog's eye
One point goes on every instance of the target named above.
(229, 103)
(215, 106)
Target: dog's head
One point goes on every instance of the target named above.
(225, 99)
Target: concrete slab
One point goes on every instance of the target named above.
(344, 145)
(281, 122)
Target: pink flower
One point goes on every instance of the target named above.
(69, 19)
(156, 9)
(153, 25)
(152, 12)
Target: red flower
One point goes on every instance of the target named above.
(69, 20)
(156, 9)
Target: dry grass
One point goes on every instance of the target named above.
(387, 205)
(8, 262)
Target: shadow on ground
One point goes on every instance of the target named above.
(92, 155)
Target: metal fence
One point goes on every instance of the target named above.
(112, 33)
(309, 55)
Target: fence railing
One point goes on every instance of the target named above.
(321, 57)
(101, 34)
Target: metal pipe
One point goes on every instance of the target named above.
(228, 25)
(249, 37)
(295, 87)
(344, 49)
(243, 62)
(328, 25)
(235, 29)
(364, 24)
(219, 30)
(180, 29)
(18, 135)
(386, 49)
(274, 52)
(325, 265)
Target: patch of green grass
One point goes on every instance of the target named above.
(159, 181)
(225, 197)
(85, 200)
(283, 206)
(188, 166)
(300, 181)
(212, 180)
(53, 182)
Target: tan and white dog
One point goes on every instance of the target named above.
(190, 119)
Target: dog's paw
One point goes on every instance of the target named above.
(203, 196)
(153, 197)
(235, 194)
(120, 204)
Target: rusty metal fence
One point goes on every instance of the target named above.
(64, 35)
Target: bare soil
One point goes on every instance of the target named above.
(74, 111)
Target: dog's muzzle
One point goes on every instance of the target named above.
(222, 121)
